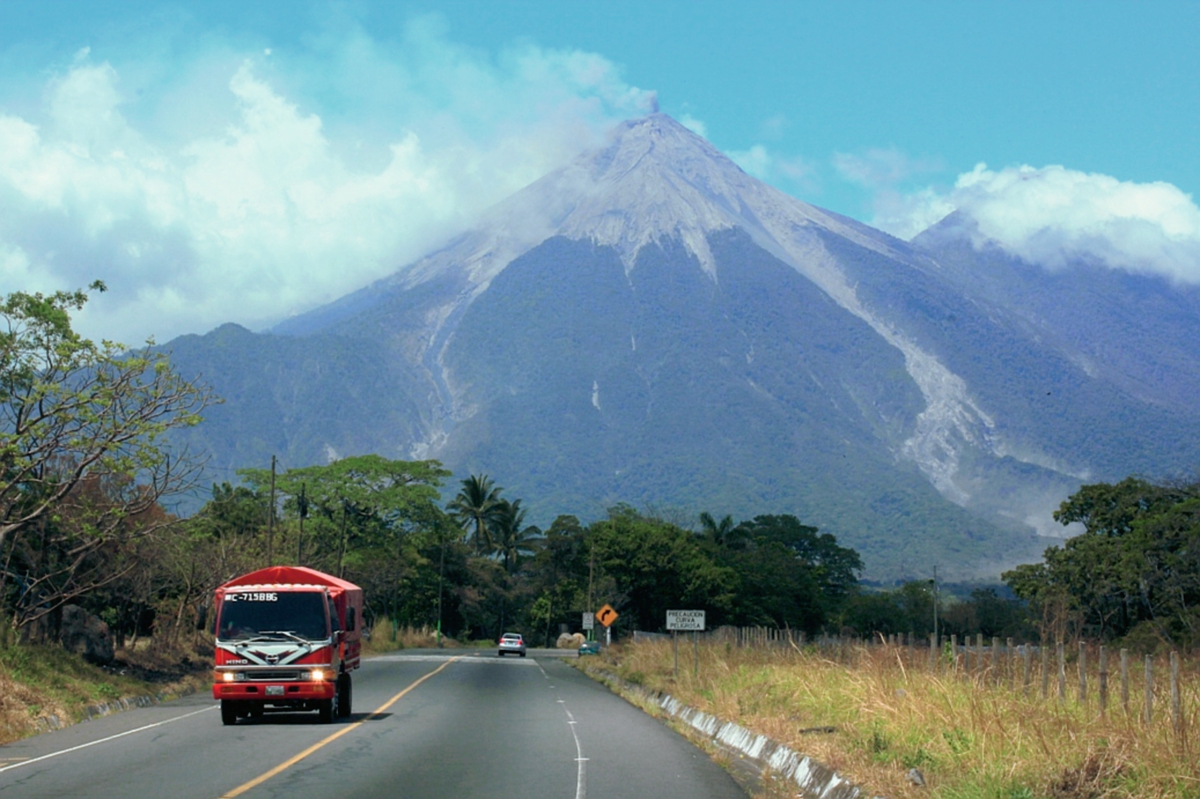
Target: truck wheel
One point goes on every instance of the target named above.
(345, 696)
(327, 710)
(228, 713)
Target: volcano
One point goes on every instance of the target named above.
(650, 325)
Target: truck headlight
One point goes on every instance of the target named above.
(233, 676)
(317, 675)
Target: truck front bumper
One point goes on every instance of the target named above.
(274, 692)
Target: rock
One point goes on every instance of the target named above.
(85, 634)
(916, 777)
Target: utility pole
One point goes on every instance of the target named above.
(441, 576)
(935, 605)
(591, 574)
(342, 546)
(271, 515)
(302, 509)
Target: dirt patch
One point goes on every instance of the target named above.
(1094, 779)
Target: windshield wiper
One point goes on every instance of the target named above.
(285, 633)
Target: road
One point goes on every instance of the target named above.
(437, 725)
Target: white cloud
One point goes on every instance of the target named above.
(1052, 215)
(324, 170)
(755, 161)
(768, 166)
(882, 166)
(694, 125)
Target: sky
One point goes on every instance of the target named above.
(246, 161)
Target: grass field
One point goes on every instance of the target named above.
(878, 714)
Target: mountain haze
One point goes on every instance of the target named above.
(651, 325)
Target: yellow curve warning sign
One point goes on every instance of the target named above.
(606, 615)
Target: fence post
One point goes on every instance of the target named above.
(1045, 670)
(932, 653)
(979, 664)
(1062, 672)
(1176, 710)
(1082, 672)
(1125, 680)
(996, 661)
(1103, 681)
(1011, 660)
(1026, 677)
(1148, 712)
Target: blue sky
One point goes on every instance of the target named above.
(241, 161)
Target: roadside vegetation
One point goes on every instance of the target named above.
(873, 715)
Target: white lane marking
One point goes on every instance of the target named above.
(581, 768)
(106, 740)
(581, 772)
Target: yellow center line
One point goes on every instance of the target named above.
(285, 765)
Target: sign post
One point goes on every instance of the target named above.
(692, 620)
(606, 616)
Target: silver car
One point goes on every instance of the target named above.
(511, 642)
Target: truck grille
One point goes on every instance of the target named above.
(273, 676)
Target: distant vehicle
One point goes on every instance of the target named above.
(589, 648)
(511, 642)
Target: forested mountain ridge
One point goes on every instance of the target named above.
(651, 325)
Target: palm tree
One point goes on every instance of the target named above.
(723, 533)
(512, 540)
(475, 506)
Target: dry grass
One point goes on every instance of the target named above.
(42, 681)
(382, 640)
(970, 738)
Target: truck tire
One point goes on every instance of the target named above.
(345, 696)
(327, 710)
(228, 712)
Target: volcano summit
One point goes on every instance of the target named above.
(651, 325)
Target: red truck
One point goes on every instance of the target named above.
(287, 637)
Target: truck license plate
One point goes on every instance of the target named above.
(274, 690)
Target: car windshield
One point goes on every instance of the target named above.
(273, 614)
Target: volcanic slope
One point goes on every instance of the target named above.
(651, 325)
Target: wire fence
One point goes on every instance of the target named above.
(1162, 689)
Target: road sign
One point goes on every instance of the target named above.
(685, 620)
(589, 621)
(606, 615)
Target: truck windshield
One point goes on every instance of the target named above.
(256, 614)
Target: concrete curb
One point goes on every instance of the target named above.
(813, 778)
(53, 722)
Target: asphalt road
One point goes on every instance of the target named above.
(425, 725)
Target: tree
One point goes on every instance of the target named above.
(513, 538)
(835, 567)
(83, 428)
(1136, 563)
(657, 565)
(721, 534)
(475, 508)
